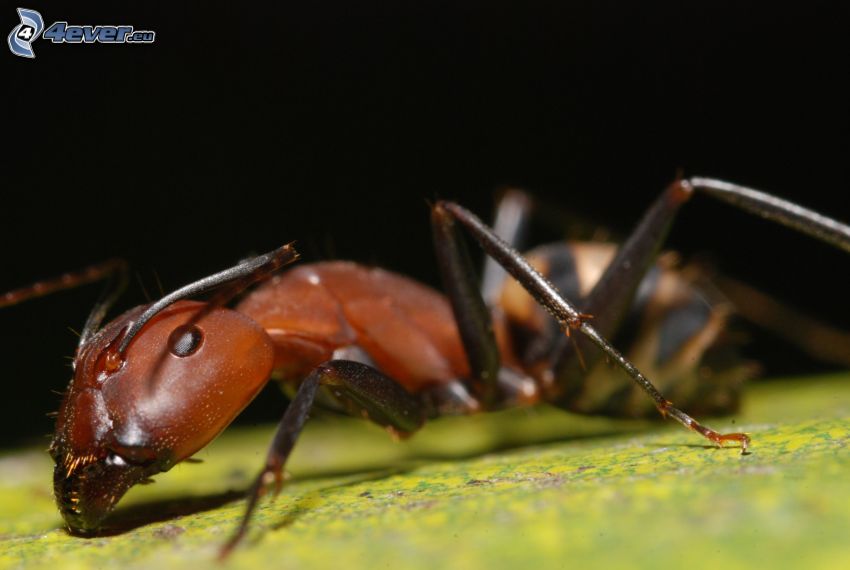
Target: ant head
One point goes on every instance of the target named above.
(150, 389)
(127, 417)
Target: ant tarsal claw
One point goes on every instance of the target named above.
(741, 439)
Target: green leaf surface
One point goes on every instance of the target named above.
(520, 489)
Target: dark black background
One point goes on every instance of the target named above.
(243, 127)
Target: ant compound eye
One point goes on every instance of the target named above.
(185, 340)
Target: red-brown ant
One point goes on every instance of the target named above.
(158, 383)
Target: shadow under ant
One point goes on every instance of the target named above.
(127, 519)
(528, 443)
(130, 518)
(696, 446)
(308, 500)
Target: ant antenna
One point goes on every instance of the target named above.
(114, 288)
(244, 274)
(113, 269)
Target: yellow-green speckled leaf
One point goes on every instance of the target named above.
(522, 489)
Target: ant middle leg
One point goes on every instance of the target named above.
(362, 390)
(493, 383)
(572, 319)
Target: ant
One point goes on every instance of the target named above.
(157, 384)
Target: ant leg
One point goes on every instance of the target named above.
(362, 390)
(511, 224)
(571, 319)
(616, 287)
(814, 337)
(780, 211)
(472, 316)
(492, 383)
(611, 297)
(515, 213)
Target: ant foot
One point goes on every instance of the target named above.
(742, 439)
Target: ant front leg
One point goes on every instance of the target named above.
(571, 318)
(361, 389)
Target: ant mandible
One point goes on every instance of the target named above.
(158, 383)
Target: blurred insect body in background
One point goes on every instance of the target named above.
(158, 383)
